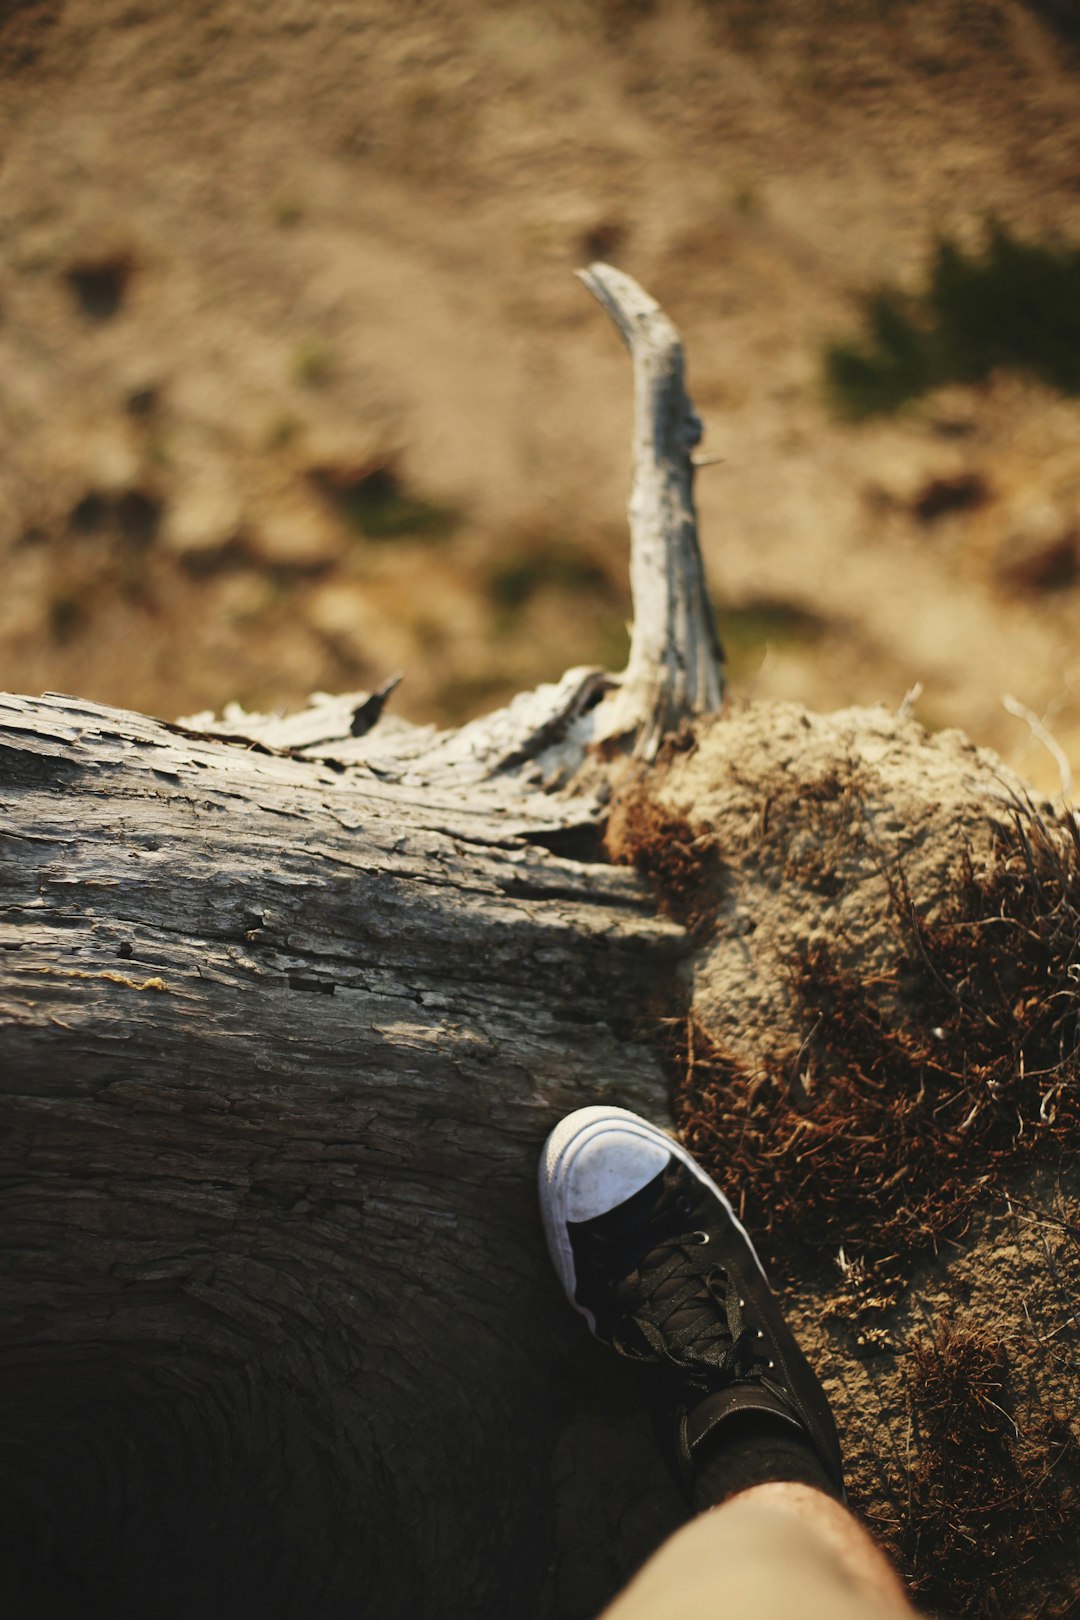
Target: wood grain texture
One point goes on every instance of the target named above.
(280, 1042)
(676, 667)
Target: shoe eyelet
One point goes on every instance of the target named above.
(760, 1334)
(772, 1364)
(701, 1237)
(742, 1304)
(684, 1204)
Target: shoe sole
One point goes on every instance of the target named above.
(556, 1160)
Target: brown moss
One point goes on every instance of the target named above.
(680, 861)
(985, 1500)
(911, 1093)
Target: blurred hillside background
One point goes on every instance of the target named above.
(297, 388)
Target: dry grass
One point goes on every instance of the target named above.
(986, 1500)
(910, 1096)
(677, 859)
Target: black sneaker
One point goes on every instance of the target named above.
(654, 1257)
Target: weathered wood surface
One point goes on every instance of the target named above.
(280, 1045)
(676, 663)
(286, 1010)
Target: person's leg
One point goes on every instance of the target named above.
(651, 1253)
(773, 1552)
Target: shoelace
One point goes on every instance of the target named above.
(691, 1320)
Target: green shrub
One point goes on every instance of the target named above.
(311, 363)
(1009, 305)
(382, 507)
(545, 564)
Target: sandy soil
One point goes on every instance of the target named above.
(248, 253)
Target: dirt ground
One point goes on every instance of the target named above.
(879, 1061)
(297, 388)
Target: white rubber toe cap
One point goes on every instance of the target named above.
(594, 1160)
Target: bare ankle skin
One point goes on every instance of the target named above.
(774, 1552)
(853, 1548)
